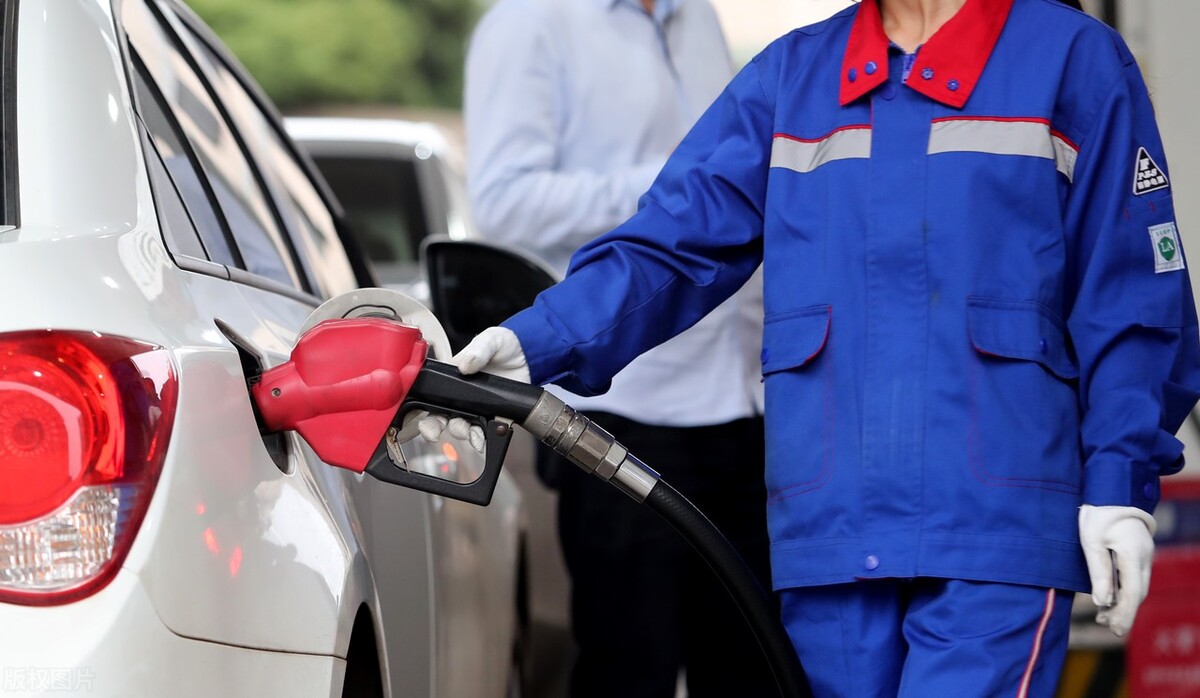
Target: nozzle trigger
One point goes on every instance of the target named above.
(497, 435)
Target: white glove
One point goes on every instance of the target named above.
(496, 350)
(1122, 537)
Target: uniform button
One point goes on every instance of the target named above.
(952, 85)
(927, 73)
(852, 75)
(871, 67)
(872, 562)
(1042, 344)
(766, 355)
(1148, 490)
(888, 91)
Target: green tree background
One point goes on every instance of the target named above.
(317, 52)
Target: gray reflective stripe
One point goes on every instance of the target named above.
(1065, 156)
(806, 156)
(1000, 137)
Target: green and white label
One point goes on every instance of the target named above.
(1167, 255)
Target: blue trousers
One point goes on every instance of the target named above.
(926, 638)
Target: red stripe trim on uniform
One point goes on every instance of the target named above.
(827, 136)
(1023, 691)
(1026, 119)
(1062, 137)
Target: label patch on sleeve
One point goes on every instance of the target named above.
(1167, 256)
(1149, 176)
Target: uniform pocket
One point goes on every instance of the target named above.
(1024, 404)
(794, 338)
(801, 401)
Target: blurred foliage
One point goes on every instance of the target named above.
(307, 52)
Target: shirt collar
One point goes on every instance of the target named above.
(662, 8)
(949, 64)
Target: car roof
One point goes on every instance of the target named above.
(396, 131)
(420, 138)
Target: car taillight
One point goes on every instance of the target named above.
(84, 424)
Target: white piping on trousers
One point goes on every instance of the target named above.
(1023, 691)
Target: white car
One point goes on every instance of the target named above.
(163, 242)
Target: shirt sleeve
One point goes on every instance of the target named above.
(518, 192)
(1133, 319)
(695, 240)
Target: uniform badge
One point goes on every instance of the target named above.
(1149, 176)
(1167, 255)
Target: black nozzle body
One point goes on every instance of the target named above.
(481, 394)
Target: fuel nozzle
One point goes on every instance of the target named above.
(352, 385)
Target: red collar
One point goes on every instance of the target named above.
(948, 65)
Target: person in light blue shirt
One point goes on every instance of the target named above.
(571, 109)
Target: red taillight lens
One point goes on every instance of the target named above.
(84, 421)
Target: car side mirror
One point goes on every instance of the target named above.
(474, 285)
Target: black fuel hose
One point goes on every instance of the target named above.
(593, 449)
(739, 581)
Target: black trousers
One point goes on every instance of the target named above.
(643, 603)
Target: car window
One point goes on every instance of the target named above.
(174, 220)
(182, 174)
(245, 207)
(318, 246)
(382, 198)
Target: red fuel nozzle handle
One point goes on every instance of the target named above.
(342, 387)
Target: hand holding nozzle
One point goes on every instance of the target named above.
(496, 350)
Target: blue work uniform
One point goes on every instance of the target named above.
(978, 315)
